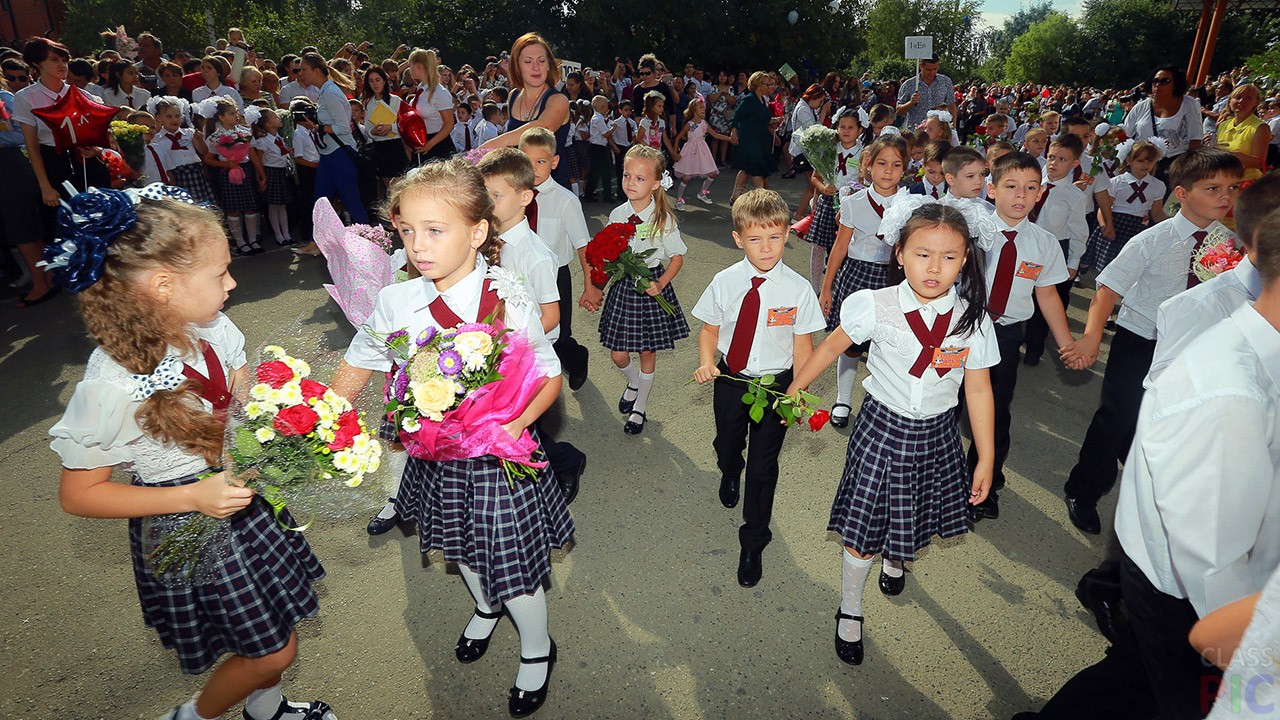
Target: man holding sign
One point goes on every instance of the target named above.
(925, 91)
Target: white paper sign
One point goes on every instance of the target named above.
(568, 66)
(919, 46)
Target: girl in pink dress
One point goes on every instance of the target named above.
(695, 158)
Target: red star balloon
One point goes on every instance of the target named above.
(411, 126)
(77, 121)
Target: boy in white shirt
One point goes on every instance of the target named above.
(462, 135)
(490, 123)
(625, 132)
(598, 151)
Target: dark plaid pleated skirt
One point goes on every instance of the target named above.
(195, 180)
(822, 231)
(905, 480)
(582, 158)
(249, 608)
(1102, 251)
(634, 322)
(280, 186)
(242, 198)
(467, 510)
(570, 155)
(854, 275)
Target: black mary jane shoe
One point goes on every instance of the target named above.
(632, 427)
(523, 703)
(849, 652)
(837, 421)
(255, 248)
(380, 525)
(469, 650)
(625, 405)
(892, 585)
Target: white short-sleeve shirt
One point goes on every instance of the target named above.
(1126, 186)
(272, 155)
(1064, 216)
(431, 107)
(788, 307)
(524, 253)
(651, 132)
(136, 99)
(1040, 263)
(1185, 316)
(625, 131)
(203, 92)
(668, 245)
(857, 213)
(177, 150)
(847, 172)
(304, 145)
(561, 223)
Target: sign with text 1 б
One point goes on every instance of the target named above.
(919, 46)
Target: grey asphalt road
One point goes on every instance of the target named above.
(645, 606)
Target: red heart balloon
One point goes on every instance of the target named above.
(411, 126)
(77, 121)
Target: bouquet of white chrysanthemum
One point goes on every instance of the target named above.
(819, 143)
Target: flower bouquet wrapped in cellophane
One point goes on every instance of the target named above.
(819, 143)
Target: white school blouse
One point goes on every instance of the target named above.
(524, 253)
(203, 92)
(1064, 216)
(430, 108)
(851, 156)
(788, 307)
(1185, 316)
(1151, 268)
(1040, 263)
(115, 97)
(403, 306)
(99, 428)
(1122, 187)
(172, 158)
(668, 245)
(1199, 505)
(272, 157)
(881, 317)
(561, 222)
(857, 214)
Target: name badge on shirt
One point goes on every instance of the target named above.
(948, 358)
(780, 316)
(1029, 270)
(647, 231)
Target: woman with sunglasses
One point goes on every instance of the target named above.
(1168, 113)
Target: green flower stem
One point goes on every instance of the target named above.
(761, 394)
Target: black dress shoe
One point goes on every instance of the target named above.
(1031, 360)
(625, 405)
(632, 427)
(469, 650)
(1084, 515)
(526, 702)
(849, 652)
(578, 371)
(729, 492)
(988, 509)
(749, 568)
(838, 421)
(569, 484)
(380, 525)
(892, 585)
(997, 482)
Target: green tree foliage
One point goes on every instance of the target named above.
(1000, 41)
(955, 25)
(1043, 52)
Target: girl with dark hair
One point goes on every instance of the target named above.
(381, 108)
(122, 89)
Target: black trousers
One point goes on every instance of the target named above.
(573, 356)
(617, 168)
(303, 203)
(563, 457)
(1004, 378)
(601, 171)
(735, 430)
(1106, 444)
(1184, 684)
(1037, 327)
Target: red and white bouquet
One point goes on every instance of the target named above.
(611, 258)
(1216, 255)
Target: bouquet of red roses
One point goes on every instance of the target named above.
(1107, 148)
(611, 258)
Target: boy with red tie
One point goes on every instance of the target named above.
(768, 313)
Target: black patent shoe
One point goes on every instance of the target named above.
(892, 585)
(729, 491)
(526, 702)
(380, 525)
(625, 405)
(632, 427)
(469, 650)
(1084, 515)
(849, 652)
(837, 421)
(988, 509)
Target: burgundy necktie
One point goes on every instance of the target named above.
(1003, 283)
(466, 131)
(214, 387)
(175, 139)
(1077, 173)
(744, 333)
(1035, 211)
(879, 211)
(935, 192)
(531, 211)
(843, 163)
(930, 339)
(1139, 191)
(128, 99)
(1192, 280)
(634, 219)
(627, 124)
(284, 151)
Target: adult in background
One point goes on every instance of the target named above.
(434, 102)
(150, 57)
(337, 175)
(753, 128)
(1241, 132)
(534, 101)
(19, 228)
(918, 95)
(648, 77)
(1169, 113)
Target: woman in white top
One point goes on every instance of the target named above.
(215, 78)
(381, 108)
(122, 89)
(812, 109)
(1168, 113)
(434, 103)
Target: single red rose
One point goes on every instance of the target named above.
(312, 389)
(296, 420)
(981, 130)
(274, 373)
(345, 430)
(818, 419)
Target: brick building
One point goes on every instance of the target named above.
(21, 19)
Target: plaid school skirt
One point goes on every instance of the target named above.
(242, 198)
(279, 186)
(193, 178)
(570, 156)
(905, 480)
(854, 275)
(249, 607)
(634, 322)
(1102, 251)
(822, 231)
(466, 509)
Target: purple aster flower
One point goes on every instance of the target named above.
(401, 386)
(450, 363)
(401, 333)
(426, 336)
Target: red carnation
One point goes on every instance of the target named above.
(274, 373)
(345, 430)
(980, 130)
(312, 389)
(296, 420)
(599, 278)
(818, 419)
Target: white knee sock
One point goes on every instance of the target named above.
(680, 189)
(706, 185)
(817, 266)
(279, 219)
(846, 373)
(395, 462)
(188, 712)
(264, 702)
(251, 227)
(892, 568)
(632, 373)
(237, 231)
(645, 384)
(478, 627)
(854, 580)
(530, 615)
